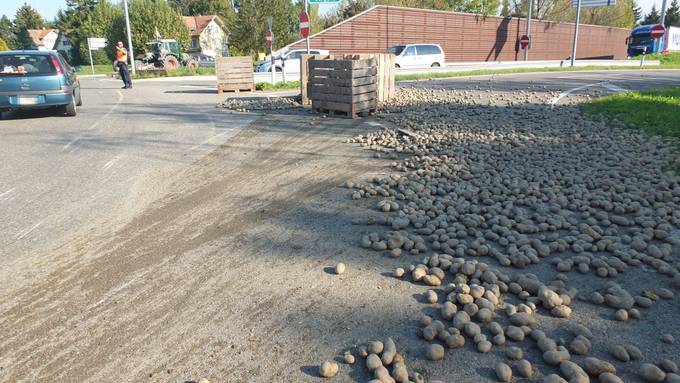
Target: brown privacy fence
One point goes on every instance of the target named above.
(466, 37)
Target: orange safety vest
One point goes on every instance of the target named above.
(121, 54)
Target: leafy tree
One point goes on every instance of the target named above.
(6, 33)
(3, 45)
(248, 31)
(104, 20)
(619, 15)
(222, 8)
(653, 17)
(148, 15)
(505, 11)
(673, 14)
(71, 21)
(26, 18)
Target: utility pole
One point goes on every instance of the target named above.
(663, 12)
(578, 20)
(129, 36)
(528, 33)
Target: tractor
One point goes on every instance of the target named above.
(162, 53)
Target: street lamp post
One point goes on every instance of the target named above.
(129, 36)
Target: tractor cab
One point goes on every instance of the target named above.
(162, 53)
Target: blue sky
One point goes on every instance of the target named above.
(49, 8)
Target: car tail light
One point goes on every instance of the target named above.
(56, 64)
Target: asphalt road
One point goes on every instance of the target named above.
(160, 282)
(60, 174)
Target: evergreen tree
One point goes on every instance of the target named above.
(26, 18)
(673, 15)
(6, 31)
(653, 17)
(71, 21)
(637, 11)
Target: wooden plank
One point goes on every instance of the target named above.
(343, 107)
(343, 82)
(358, 89)
(330, 64)
(234, 73)
(343, 73)
(347, 98)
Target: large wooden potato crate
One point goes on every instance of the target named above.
(234, 74)
(345, 86)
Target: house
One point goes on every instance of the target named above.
(51, 39)
(209, 35)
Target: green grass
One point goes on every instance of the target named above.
(179, 72)
(98, 69)
(480, 72)
(278, 85)
(670, 60)
(656, 111)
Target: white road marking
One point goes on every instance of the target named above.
(111, 162)
(7, 193)
(614, 88)
(96, 123)
(25, 232)
(373, 123)
(570, 91)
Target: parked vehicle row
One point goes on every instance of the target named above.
(38, 80)
(289, 59)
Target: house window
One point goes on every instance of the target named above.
(194, 43)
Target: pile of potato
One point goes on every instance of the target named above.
(491, 187)
(245, 104)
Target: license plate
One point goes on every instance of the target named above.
(27, 100)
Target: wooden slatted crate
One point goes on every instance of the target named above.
(234, 74)
(344, 86)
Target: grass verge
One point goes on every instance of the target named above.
(86, 70)
(278, 85)
(655, 111)
(179, 72)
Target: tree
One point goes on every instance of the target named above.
(3, 45)
(637, 11)
(251, 24)
(26, 18)
(148, 15)
(505, 11)
(673, 14)
(6, 31)
(653, 17)
(71, 22)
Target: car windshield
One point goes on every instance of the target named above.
(397, 49)
(26, 65)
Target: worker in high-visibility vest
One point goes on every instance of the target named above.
(121, 62)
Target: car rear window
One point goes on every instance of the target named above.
(26, 65)
(428, 50)
(397, 49)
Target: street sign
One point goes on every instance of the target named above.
(323, 1)
(96, 42)
(269, 36)
(304, 24)
(593, 3)
(657, 31)
(524, 41)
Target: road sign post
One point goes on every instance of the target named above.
(305, 25)
(269, 36)
(657, 32)
(578, 4)
(528, 33)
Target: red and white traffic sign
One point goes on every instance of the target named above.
(304, 24)
(657, 31)
(524, 41)
(269, 36)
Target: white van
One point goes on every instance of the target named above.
(418, 55)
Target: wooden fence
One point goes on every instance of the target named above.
(234, 74)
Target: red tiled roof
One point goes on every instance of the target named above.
(197, 24)
(37, 35)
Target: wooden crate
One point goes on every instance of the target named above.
(343, 86)
(234, 74)
(385, 66)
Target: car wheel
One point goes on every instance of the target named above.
(70, 109)
(397, 66)
(279, 69)
(435, 65)
(80, 99)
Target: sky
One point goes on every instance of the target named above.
(48, 8)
